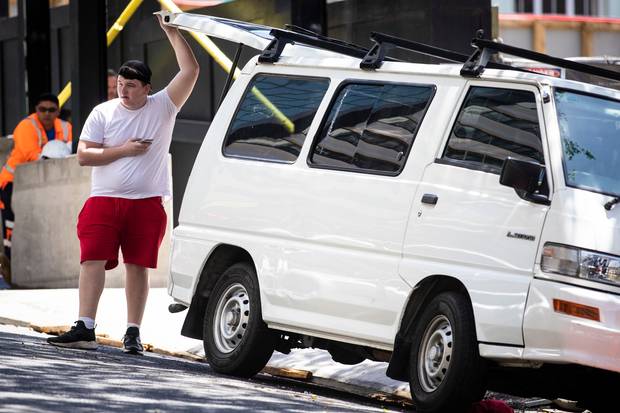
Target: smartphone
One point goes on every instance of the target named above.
(147, 141)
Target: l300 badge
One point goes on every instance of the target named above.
(517, 235)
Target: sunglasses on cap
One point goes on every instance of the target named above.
(44, 109)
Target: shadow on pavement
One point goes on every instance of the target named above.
(35, 376)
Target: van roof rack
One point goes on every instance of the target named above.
(479, 60)
(281, 38)
(384, 42)
(473, 65)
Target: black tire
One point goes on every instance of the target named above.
(242, 345)
(446, 371)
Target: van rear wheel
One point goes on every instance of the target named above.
(236, 340)
(446, 371)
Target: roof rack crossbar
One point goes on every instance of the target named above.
(303, 30)
(383, 42)
(281, 38)
(477, 63)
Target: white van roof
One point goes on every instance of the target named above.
(259, 37)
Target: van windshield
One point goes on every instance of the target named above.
(590, 132)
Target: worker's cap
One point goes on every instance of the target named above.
(135, 69)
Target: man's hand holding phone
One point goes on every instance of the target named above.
(137, 146)
(145, 141)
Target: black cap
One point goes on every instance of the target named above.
(135, 69)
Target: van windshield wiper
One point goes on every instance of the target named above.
(610, 204)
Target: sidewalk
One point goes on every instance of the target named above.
(162, 330)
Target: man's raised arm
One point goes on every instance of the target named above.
(182, 84)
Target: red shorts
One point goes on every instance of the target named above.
(137, 226)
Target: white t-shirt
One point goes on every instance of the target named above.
(133, 177)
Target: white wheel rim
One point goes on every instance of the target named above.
(435, 353)
(231, 318)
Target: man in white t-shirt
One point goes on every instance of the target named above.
(126, 140)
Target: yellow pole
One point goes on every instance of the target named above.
(226, 64)
(119, 24)
(64, 96)
(116, 28)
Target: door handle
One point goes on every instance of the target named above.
(430, 199)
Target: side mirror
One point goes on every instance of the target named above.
(526, 177)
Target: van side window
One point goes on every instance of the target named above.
(371, 127)
(273, 118)
(492, 125)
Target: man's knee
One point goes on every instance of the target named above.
(136, 270)
(93, 266)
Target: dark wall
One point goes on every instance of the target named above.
(448, 24)
(13, 103)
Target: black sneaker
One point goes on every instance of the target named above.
(78, 337)
(131, 341)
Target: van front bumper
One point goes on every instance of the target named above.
(556, 337)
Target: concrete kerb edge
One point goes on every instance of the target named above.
(305, 376)
(13, 322)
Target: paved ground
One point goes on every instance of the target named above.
(36, 377)
(162, 330)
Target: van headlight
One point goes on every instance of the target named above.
(575, 262)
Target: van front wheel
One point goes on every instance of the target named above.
(446, 371)
(236, 340)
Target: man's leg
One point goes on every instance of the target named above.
(92, 280)
(82, 334)
(136, 292)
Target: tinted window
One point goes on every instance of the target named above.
(494, 124)
(273, 118)
(371, 127)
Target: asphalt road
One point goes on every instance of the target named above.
(37, 377)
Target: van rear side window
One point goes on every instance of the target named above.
(494, 124)
(273, 118)
(371, 127)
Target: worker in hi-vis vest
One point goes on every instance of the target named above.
(29, 138)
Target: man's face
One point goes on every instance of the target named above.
(112, 87)
(133, 92)
(47, 112)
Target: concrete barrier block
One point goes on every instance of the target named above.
(47, 198)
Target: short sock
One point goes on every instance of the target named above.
(133, 325)
(88, 322)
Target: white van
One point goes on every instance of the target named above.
(450, 219)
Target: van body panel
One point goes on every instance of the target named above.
(479, 232)
(471, 244)
(356, 277)
(189, 254)
(555, 337)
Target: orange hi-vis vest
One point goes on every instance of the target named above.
(29, 138)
